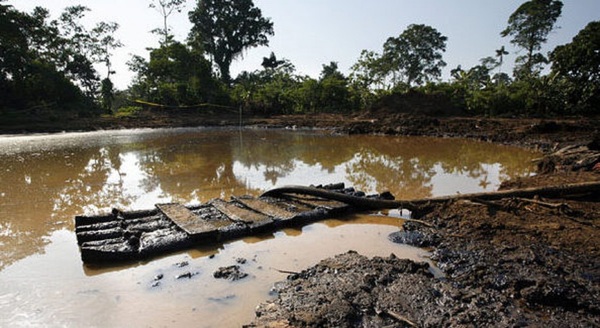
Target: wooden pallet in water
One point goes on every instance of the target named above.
(136, 235)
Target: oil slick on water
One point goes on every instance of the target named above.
(48, 179)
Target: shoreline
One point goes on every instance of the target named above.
(540, 133)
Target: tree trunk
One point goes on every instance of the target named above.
(371, 203)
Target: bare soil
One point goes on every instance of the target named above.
(508, 263)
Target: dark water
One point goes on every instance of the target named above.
(47, 179)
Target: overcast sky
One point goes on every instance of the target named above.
(311, 33)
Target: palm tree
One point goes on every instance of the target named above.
(500, 54)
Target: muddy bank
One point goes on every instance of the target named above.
(507, 263)
(545, 134)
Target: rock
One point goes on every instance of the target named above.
(232, 272)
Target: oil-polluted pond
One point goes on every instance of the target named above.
(47, 180)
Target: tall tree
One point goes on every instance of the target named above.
(79, 49)
(225, 28)
(33, 64)
(369, 71)
(166, 8)
(529, 27)
(416, 54)
(271, 62)
(104, 42)
(578, 63)
(500, 53)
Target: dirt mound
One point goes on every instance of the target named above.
(506, 263)
(416, 103)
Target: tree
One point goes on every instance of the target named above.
(77, 49)
(33, 65)
(175, 75)
(578, 64)
(14, 42)
(166, 8)
(416, 55)
(271, 62)
(500, 53)
(529, 27)
(104, 41)
(333, 86)
(225, 28)
(331, 71)
(369, 71)
(269, 91)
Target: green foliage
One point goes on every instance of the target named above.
(529, 27)
(176, 75)
(370, 72)
(415, 57)
(47, 66)
(271, 91)
(576, 67)
(37, 71)
(128, 111)
(279, 91)
(333, 92)
(412, 58)
(225, 28)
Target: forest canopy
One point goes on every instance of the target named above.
(56, 68)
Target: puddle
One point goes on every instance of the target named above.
(180, 289)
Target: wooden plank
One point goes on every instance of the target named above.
(318, 202)
(270, 209)
(186, 220)
(236, 212)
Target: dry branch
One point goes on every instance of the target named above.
(400, 318)
(546, 204)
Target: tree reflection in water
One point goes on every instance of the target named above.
(47, 180)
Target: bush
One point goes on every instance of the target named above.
(129, 111)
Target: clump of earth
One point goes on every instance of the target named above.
(507, 263)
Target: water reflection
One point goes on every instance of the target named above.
(46, 180)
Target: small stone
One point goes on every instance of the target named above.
(188, 275)
(232, 272)
(182, 264)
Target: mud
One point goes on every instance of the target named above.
(508, 263)
(232, 272)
